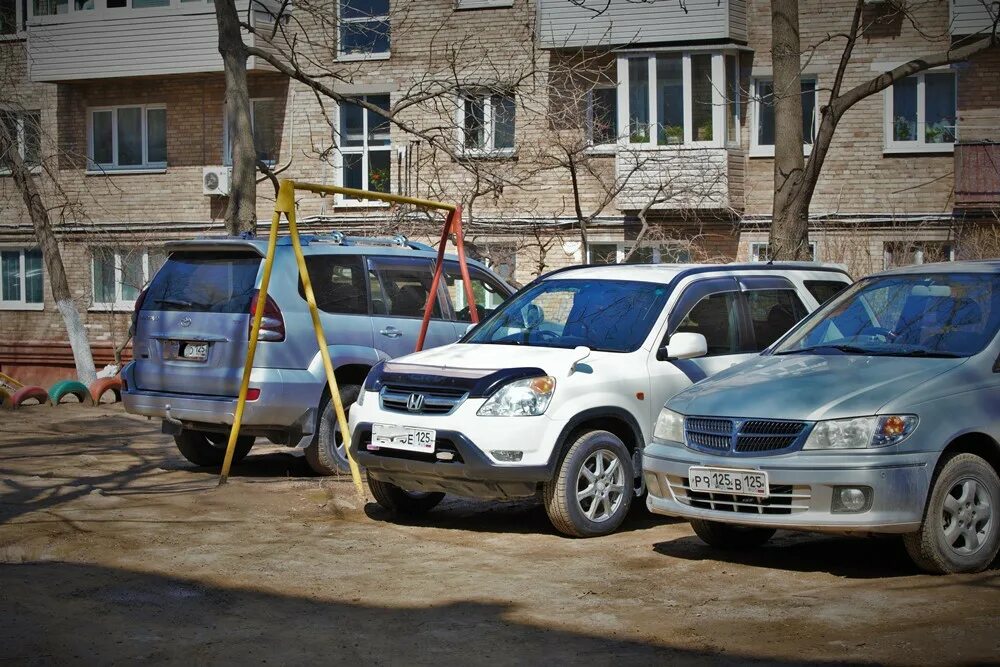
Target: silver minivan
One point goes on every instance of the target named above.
(879, 413)
(192, 326)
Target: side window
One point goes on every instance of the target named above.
(403, 290)
(338, 282)
(824, 290)
(772, 313)
(716, 318)
(488, 293)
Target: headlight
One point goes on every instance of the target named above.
(521, 398)
(669, 426)
(861, 432)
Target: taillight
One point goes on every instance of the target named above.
(272, 325)
(138, 307)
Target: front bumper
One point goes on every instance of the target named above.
(470, 473)
(284, 413)
(802, 485)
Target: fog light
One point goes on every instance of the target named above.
(507, 455)
(851, 499)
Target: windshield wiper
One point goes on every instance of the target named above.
(921, 352)
(850, 349)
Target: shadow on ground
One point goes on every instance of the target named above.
(69, 613)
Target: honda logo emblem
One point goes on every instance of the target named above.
(415, 402)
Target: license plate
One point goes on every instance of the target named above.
(727, 480)
(179, 349)
(403, 437)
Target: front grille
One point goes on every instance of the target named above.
(782, 499)
(742, 436)
(436, 401)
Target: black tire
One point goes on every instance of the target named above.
(400, 502)
(325, 454)
(730, 537)
(941, 546)
(566, 509)
(209, 449)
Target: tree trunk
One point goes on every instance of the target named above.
(25, 183)
(241, 213)
(790, 212)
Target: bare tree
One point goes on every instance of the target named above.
(795, 178)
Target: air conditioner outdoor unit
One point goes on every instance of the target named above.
(215, 180)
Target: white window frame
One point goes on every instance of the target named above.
(624, 247)
(19, 114)
(718, 100)
(592, 146)
(100, 10)
(21, 303)
(758, 150)
(119, 304)
(482, 4)
(920, 145)
(146, 166)
(488, 127)
(366, 55)
(227, 149)
(758, 246)
(364, 149)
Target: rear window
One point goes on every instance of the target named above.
(824, 290)
(204, 282)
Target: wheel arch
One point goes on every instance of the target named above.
(975, 442)
(615, 420)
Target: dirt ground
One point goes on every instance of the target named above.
(113, 549)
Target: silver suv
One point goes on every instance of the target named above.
(192, 327)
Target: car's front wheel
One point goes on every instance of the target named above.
(209, 449)
(326, 454)
(728, 536)
(594, 487)
(402, 502)
(960, 530)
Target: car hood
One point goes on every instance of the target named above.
(809, 386)
(554, 361)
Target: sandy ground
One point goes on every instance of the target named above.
(113, 549)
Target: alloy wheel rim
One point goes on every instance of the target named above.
(967, 516)
(600, 485)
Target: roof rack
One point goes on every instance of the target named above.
(339, 238)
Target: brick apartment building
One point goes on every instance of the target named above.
(663, 107)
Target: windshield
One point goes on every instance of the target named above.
(608, 315)
(939, 315)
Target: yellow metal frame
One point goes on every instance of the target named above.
(286, 204)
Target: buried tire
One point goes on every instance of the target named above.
(593, 489)
(209, 449)
(401, 502)
(960, 531)
(326, 454)
(728, 536)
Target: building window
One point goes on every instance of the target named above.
(128, 137)
(487, 122)
(364, 27)
(648, 253)
(21, 282)
(602, 116)
(120, 274)
(264, 122)
(49, 7)
(920, 113)
(24, 127)
(483, 4)
(674, 98)
(759, 252)
(365, 146)
(904, 253)
(8, 17)
(762, 136)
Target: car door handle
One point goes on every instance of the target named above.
(391, 332)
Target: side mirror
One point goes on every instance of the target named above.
(683, 345)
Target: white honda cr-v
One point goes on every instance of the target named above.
(558, 391)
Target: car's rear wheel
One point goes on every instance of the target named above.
(402, 502)
(728, 536)
(960, 531)
(593, 489)
(326, 454)
(209, 449)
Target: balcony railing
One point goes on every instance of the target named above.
(977, 176)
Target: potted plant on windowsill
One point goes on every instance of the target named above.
(639, 135)
(378, 180)
(671, 134)
(902, 129)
